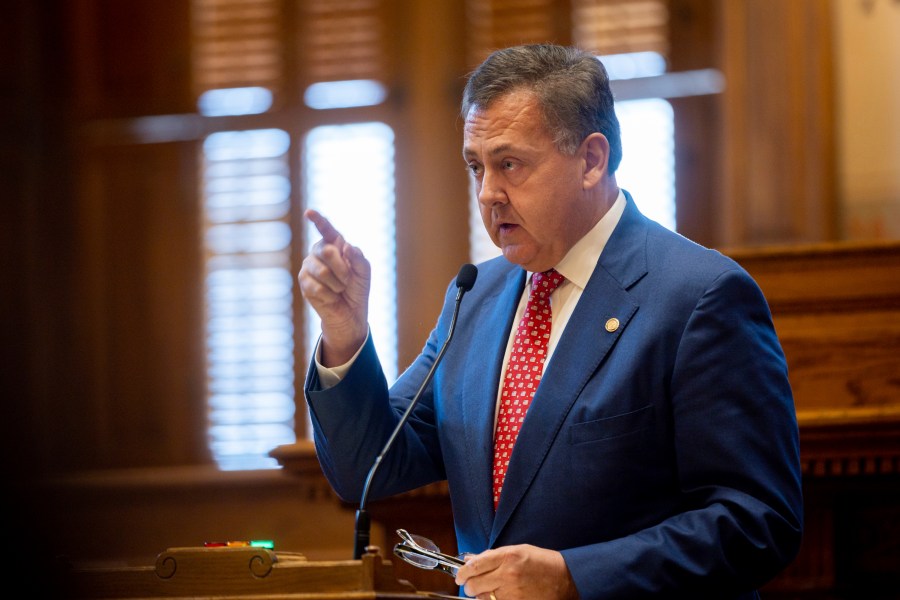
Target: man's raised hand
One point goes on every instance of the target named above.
(335, 279)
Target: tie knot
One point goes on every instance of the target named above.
(545, 283)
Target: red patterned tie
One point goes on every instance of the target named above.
(523, 373)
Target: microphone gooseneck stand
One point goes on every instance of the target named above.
(464, 282)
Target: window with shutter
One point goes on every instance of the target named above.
(277, 75)
(344, 58)
(237, 44)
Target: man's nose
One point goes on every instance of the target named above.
(490, 191)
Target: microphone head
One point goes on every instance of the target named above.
(466, 277)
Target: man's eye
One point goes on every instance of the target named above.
(508, 164)
(474, 169)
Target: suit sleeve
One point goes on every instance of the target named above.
(353, 420)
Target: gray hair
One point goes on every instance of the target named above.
(571, 86)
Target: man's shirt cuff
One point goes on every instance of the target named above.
(331, 376)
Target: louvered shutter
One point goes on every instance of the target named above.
(237, 43)
(493, 24)
(601, 26)
(340, 40)
(252, 184)
(620, 26)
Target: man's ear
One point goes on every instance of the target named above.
(595, 150)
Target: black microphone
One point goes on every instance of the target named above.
(464, 282)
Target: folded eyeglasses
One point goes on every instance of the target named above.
(423, 553)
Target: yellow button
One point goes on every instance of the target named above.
(612, 324)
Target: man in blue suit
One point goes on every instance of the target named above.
(659, 454)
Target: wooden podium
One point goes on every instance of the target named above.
(243, 572)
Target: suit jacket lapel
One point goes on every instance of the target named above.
(487, 350)
(582, 347)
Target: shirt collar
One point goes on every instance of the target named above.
(579, 263)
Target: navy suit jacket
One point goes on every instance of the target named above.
(660, 457)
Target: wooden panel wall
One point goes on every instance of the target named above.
(139, 298)
(695, 44)
(755, 164)
(778, 184)
(432, 197)
(107, 367)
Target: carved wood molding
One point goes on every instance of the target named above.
(846, 446)
(836, 308)
(822, 278)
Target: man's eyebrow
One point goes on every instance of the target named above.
(500, 149)
(493, 151)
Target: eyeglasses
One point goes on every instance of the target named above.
(423, 553)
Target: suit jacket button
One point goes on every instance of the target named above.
(612, 324)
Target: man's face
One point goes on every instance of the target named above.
(532, 197)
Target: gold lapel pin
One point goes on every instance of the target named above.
(612, 324)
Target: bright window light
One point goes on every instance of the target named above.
(647, 170)
(249, 289)
(235, 101)
(344, 94)
(349, 174)
(634, 64)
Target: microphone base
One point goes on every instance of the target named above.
(361, 538)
